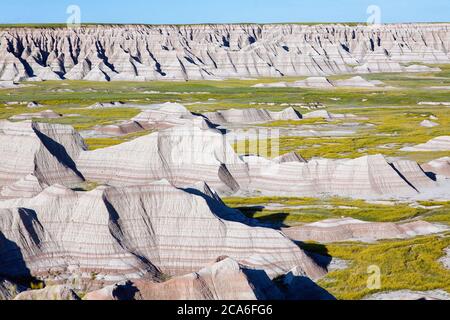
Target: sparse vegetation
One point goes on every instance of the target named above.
(99, 143)
(306, 210)
(405, 264)
(393, 127)
(86, 186)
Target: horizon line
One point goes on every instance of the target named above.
(83, 24)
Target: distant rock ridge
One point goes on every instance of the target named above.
(140, 53)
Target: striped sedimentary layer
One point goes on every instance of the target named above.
(183, 155)
(173, 114)
(135, 232)
(436, 144)
(251, 115)
(8, 289)
(27, 187)
(169, 115)
(104, 53)
(50, 293)
(325, 83)
(368, 176)
(348, 229)
(224, 280)
(439, 167)
(186, 155)
(37, 154)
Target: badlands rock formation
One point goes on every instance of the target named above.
(224, 280)
(290, 157)
(33, 105)
(154, 117)
(169, 115)
(420, 68)
(26, 187)
(314, 82)
(412, 173)
(183, 154)
(369, 176)
(428, 124)
(127, 233)
(232, 116)
(156, 218)
(311, 82)
(104, 53)
(47, 114)
(37, 154)
(106, 105)
(61, 292)
(445, 260)
(121, 128)
(9, 85)
(322, 83)
(439, 167)
(427, 103)
(8, 289)
(327, 115)
(436, 144)
(348, 229)
(355, 82)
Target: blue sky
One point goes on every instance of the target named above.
(222, 11)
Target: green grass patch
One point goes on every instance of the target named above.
(294, 123)
(393, 128)
(317, 209)
(100, 143)
(406, 264)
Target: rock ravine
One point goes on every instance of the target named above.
(107, 53)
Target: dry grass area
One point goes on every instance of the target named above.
(404, 264)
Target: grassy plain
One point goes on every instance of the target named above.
(305, 210)
(404, 264)
(394, 111)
